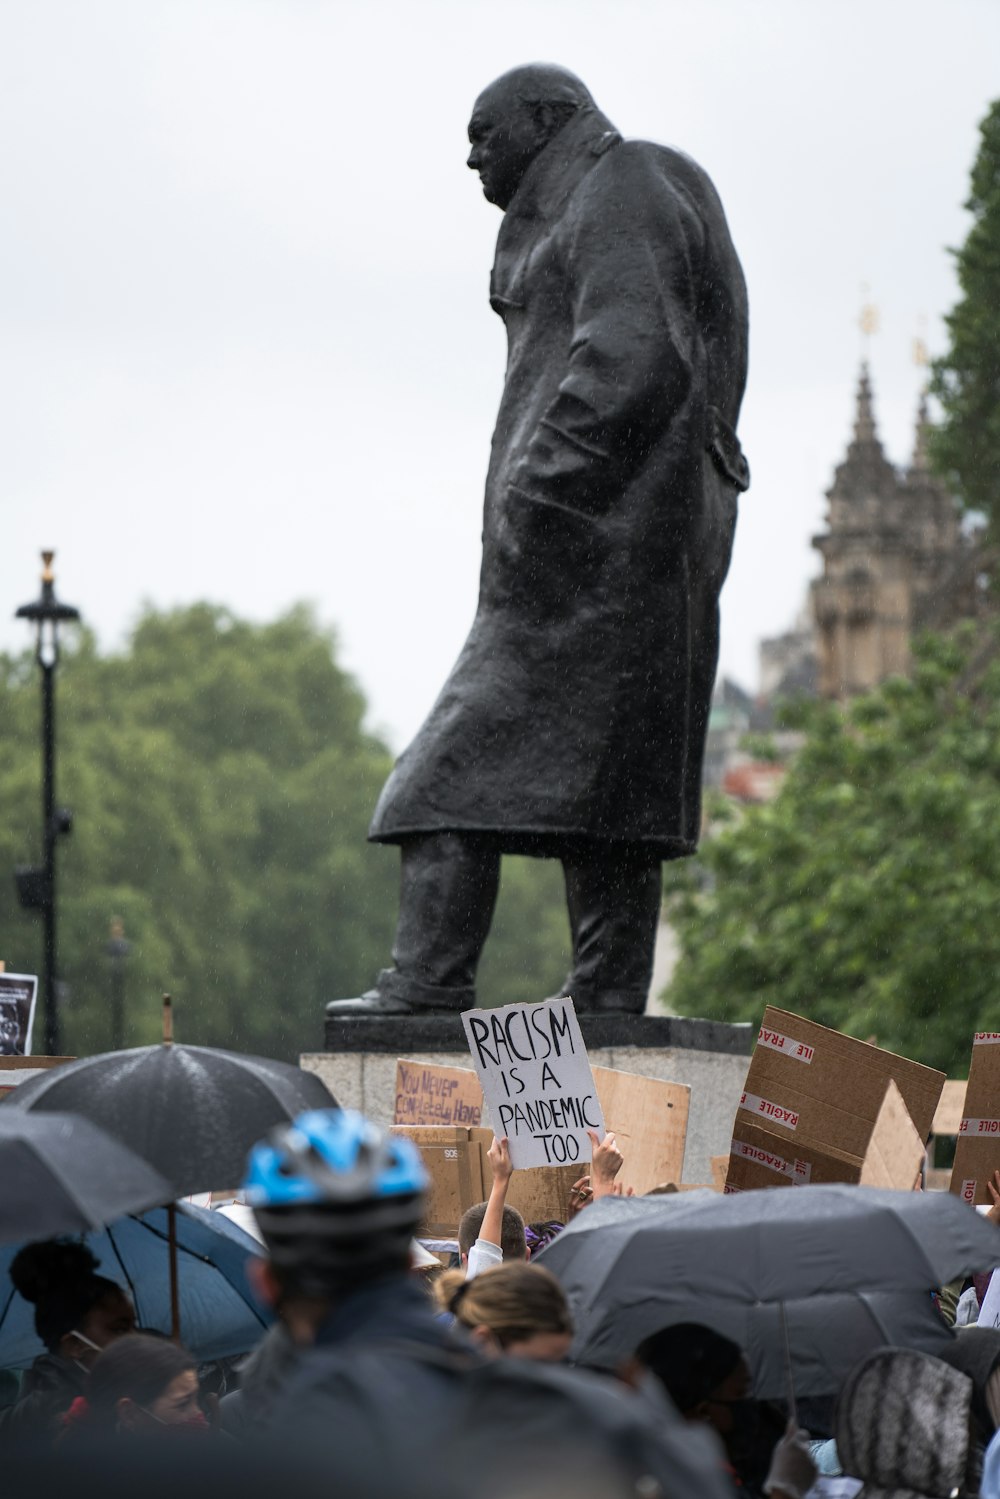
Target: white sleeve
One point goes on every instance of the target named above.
(483, 1256)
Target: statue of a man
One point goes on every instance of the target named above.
(573, 723)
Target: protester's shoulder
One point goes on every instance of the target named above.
(48, 1389)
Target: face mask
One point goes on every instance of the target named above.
(75, 1332)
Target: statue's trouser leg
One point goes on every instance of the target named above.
(448, 889)
(614, 898)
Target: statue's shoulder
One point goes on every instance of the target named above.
(677, 171)
(639, 168)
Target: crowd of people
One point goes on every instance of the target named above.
(386, 1372)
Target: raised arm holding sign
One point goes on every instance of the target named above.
(537, 1082)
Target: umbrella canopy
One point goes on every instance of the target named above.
(191, 1111)
(852, 1267)
(221, 1315)
(60, 1174)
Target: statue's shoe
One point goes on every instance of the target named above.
(371, 1004)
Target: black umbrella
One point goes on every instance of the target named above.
(60, 1174)
(191, 1111)
(851, 1267)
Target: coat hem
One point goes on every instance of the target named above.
(541, 843)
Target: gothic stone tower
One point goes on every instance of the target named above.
(894, 560)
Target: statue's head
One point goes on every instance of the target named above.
(515, 118)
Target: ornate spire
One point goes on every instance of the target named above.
(920, 463)
(864, 420)
(865, 476)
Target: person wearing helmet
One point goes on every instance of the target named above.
(381, 1391)
(337, 1203)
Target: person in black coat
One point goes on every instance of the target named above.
(78, 1313)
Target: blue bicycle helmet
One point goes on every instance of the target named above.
(336, 1199)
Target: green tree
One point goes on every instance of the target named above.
(865, 895)
(966, 380)
(222, 780)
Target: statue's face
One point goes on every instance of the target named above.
(506, 136)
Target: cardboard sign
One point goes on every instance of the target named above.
(454, 1164)
(892, 1156)
(427, 1094)
(18, 992)
(989, 1312)
(977, 1149)
(649, 1120)
(540, 1195)
(950, 1111)
(720, 1170)
(536, 1080)
(895, 1151)
(812, 1109)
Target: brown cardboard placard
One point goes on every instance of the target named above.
(720, 1169)
(950, 1111)
(540, 1193)
(812, 1100)
(454, 1164)
(895, 1151)
(892, 1157)
(823, 1067)
(977, 1149)
(649, 1120)
(430, 1094)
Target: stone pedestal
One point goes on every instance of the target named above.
(359, 1065)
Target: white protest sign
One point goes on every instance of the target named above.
(989, 1312)
(18, 992)
(536, 1080)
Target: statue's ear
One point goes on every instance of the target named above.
(547, 118)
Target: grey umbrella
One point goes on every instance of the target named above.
(60, 1174)
(851, 1267)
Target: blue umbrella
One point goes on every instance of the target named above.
(220, 1313)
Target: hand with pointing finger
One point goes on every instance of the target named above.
(605, 1163)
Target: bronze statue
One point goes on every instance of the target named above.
(573, 723)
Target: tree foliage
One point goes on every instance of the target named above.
(222, 779)
(966, 447)
(866, 894)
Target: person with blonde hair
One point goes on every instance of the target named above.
(515, 1309)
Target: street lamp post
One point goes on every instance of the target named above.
(37, 885)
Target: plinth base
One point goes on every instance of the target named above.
(710, 1056)
(405, 1035)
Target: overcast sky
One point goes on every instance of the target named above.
(247, 353)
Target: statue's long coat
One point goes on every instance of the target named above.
(579, 704)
